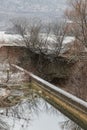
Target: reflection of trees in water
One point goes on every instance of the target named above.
(23, 112)
(48, 108)
(3, 125)
(69, 125)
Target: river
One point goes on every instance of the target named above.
(32, 112)
(21, 108)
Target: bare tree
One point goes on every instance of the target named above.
(37, 41)
(77, 14)
(43, 43)
(33, 36)
(30, 33)
(20, 26)
(59, 30)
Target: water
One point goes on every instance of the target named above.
(41, 116)
(33, 113)
(22, 108)
(35, 118)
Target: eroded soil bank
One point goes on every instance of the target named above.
(68, 74)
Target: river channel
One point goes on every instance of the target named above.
(22, 108)
(31, 112)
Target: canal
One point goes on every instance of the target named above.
(22, 108)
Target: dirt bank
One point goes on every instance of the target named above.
(71, 76)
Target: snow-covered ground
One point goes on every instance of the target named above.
(12, 37)
(14, 78)
(8, 40)
(8, 37)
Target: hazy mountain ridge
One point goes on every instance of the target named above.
(44, 9)
(31, 5)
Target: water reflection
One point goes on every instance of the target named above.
(3, 125)
(31, 112)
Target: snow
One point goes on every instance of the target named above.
(8, 37)
(8, 40)
(68, 39)
(52, 40)
(14, 78)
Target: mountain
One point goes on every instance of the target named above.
(31, 5)
(43, 9)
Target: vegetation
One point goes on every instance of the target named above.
(45, 55)
(36, 36)
(77, 14)
(43, 45)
